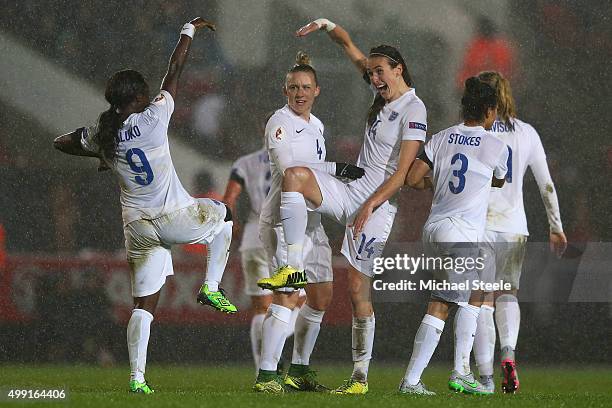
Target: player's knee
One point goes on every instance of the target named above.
(228, 214)
(294, 177)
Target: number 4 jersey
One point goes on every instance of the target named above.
(463, 160)
(150, 187)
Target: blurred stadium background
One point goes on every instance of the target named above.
(64, 294)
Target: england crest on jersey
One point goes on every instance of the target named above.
(393, 116)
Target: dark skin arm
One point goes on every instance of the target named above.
(179, 56)
(70, 143)
(232, 192)
(499, 183)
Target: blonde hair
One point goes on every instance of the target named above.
(506, 108)
(302, 58)
(303, 64)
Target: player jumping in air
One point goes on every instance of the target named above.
(295, 137)
(395, 128)
(506, 235)
(131, 138)
(465, 160)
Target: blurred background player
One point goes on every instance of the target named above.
(464, 159)
(395, 128)
(131, 139)
(506, 234)
(251, 173)
(295, 137)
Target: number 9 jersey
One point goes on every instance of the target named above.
(149, 185)
(463, 160)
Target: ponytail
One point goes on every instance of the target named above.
(109, 124)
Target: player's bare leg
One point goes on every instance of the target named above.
(508, 320)
(138, 331)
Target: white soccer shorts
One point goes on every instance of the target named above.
(505, 254)
(148, 242)
(341, 202)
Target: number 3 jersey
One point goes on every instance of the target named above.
(463, 161)
(149, 185)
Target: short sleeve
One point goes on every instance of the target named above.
(160, 109)
(429, 150)
(239, 172)
(278, 132)
(87, 139)
(414, 122)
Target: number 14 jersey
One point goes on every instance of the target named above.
(464, 159)
(149, 185)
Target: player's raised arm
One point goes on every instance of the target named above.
(179, 55)
(340, 36)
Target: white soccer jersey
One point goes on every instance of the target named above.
(254, 172)
(403, 119)
(150, 187)
(289, 134)
(506, 212)
(464, 160)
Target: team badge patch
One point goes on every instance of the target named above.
(393, 116)
(279, 133)
(417, 125)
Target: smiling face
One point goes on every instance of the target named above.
(301, 90)
(387, 79)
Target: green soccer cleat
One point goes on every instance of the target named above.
(269, 383)
(302, 378)
(284, 277)
(467, 384)
(216, 299)
(351, 387)
(138, 387)
(418, 389)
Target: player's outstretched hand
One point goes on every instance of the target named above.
(318, 24)
(199, 23)
(558, 243)
(349, 171)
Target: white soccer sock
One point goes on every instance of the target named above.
(294, 218)
(466, 320)
(307, 327)
(363, 342)
(274, 333)
(291, 328)
(425, 343)
(484, 341)
(256, 334)
(138, 331)
(218, 252)
(508, 319)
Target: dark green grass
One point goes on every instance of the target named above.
(230, 386)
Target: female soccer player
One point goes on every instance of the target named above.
(506, 234)
(294, 137)
(465, 160)
(395, 128)
(131, 139)
(251, 173)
